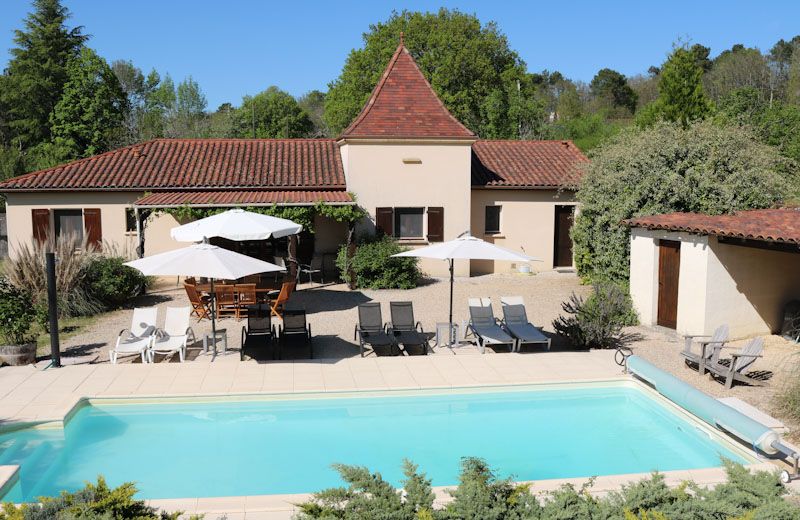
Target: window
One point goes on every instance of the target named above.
(68, 221)
(130, 220)
(492, 225)
(408, 222)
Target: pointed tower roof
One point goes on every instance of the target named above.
(403, 105)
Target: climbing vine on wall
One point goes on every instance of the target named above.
(303, 215)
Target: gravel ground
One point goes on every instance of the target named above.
(332, 310)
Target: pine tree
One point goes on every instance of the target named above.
(90, 113)
(37, 72)
(681, 95)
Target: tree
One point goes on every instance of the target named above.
(271, 114)
(469, 65)
(681, 97)
(613, 90)
(700, 53)
(138, 89)
(780, 60)
(313, 104)
(739, 69)
(90, 113)
(185, 109)
(704, 168)
(37, 71)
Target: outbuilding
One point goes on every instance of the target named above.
(692, 272)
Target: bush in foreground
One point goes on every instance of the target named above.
(373, 267)
(597, 322)
(16, 314)
(481, 495)
(113, 283)
(94, 502)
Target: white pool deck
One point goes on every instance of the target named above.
(28, 394)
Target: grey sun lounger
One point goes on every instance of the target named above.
(370, 330)
(405, 329)
(709, 348)
(734, 369)
(515, 321)
(484, 326)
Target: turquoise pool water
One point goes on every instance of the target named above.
(236, 448)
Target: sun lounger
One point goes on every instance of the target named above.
(259, 334)
(176, 334)
(294, 332)
(138, 337)
(406, 331)
(709, 348)
(733, 369)
(515, 321)
(370, 329)
(485, 327)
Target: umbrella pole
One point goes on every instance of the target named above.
(452, 339)
(213, 322)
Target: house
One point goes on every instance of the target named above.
(692, 272)
(419, 173)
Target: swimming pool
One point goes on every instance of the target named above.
(237, 447)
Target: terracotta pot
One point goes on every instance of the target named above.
(17, 355)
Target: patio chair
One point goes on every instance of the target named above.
(405, 330)
(278, 304)
(709, 348)
(294, 332)
(259, 334)
(245, 296)
(733, 369)
(175, 336)
(225, 295)
(200, 304)
(370, 329)
(138, 337)
(515, 322)
(315, 267)
(485, 327)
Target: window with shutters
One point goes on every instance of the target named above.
(408, 222)
(492, 222)
(130, 220)
(68, 221)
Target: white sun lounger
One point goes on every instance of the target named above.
(515, 321)
(483, 324)
(139, 337)
(175, 335)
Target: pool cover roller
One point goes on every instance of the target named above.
(707, 408)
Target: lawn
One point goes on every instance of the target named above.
(67, 327)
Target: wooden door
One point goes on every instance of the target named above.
(669, 268)
(562, 247)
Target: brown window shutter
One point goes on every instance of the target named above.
(41, 224)
(384, 221)
(94, 230)
(435, 224)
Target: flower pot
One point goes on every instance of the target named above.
(17, 355)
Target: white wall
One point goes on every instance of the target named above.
(376, 173)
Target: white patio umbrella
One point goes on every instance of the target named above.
(207, 261)
(465, 247)
(236, 224)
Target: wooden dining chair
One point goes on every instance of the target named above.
(246, 293)
(226, 299)
(278, 303)
(200, 308)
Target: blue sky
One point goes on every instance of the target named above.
(237, 47)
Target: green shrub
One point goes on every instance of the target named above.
(374, 268)
(94, 502)
(16, 314)
(597, 322)
(113, 283)
(481, 495)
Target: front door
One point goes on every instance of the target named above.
(669, 267)
(562, 249)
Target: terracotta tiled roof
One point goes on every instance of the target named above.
(238, 197)
(526, 164)
(403, 104)
(197, 164)
(770, 225)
